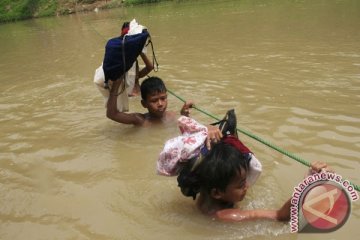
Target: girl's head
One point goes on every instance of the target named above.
(220, 175)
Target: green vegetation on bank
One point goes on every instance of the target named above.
(22, 9)
(12, 10)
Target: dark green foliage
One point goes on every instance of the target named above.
(23, 9)
(12, 10)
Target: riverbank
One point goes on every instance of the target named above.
(23, 9)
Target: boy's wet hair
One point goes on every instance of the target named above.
(125, 28)
(218, 168)
(152, 85)
(125, 25)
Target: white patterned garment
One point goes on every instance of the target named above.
(187, 146)
(182, 148)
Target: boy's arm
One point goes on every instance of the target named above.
(148, 66)
(113, 113)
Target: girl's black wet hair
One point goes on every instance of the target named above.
(188, 181)
(152, 85)
(216, 170)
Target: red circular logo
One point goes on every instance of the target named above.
(326, 206)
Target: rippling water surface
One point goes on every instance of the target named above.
(291, 70)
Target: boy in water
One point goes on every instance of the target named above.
(154, 98)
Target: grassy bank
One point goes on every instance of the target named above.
(12, 10)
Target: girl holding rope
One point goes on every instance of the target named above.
(217, 175)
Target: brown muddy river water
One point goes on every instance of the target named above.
(290, 69)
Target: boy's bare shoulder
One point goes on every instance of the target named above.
(138, 119)
(171, 116)
(168, 117)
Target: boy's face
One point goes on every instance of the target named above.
(236, 190)
(156, 103)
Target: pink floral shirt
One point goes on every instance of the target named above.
(181, 148)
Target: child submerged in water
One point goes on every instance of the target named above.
(220, 176)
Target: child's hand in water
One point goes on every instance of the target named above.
(318, 166)
(214, 135)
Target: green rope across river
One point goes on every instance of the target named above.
(267, 143)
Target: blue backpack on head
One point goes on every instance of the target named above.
(121, 53)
